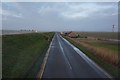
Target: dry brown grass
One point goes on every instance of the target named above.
(103, 53)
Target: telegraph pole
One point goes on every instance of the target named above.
(113, 27)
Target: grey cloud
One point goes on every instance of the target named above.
(51, 16)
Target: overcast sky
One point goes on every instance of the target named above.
(60, 16)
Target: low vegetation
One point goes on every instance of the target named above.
(22, 54)
(105, 49)
(104, 53)
(99, 35)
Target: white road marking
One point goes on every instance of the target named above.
(87, 59)
(64, 55)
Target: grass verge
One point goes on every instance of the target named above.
(22, 54)
(111, 69)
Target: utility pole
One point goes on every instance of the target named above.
(113, 27)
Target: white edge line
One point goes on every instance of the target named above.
(45, 61)
(64, 55)
(87, 59)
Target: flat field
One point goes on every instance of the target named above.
(100, 35)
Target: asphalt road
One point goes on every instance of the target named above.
(66, 61)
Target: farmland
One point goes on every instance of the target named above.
(23, 54)
(99, 35)
(100, 47)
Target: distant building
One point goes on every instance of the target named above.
(72, 34)
(61, 33)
